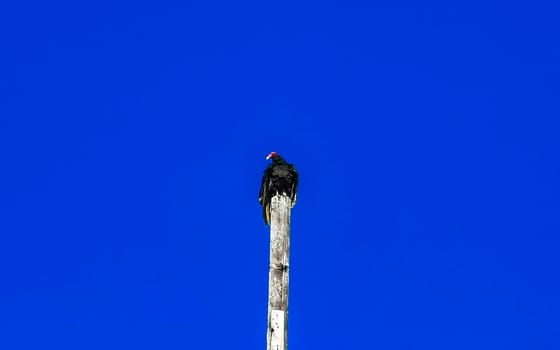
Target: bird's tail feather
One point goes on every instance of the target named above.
(266, 213)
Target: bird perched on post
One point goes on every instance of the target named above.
(280, 178)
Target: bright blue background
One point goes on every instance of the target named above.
(132, 143)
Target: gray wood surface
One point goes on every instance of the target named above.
(278, 282)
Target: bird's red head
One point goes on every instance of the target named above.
(271, 155)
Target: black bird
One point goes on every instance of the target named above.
(279, 177)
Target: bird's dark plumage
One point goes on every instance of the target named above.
(281, 178)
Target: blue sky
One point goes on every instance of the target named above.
(133, 138)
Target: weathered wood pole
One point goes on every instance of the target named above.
(278, 278)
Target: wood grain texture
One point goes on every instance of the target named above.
(278, 282)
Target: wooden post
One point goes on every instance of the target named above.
(278, 278)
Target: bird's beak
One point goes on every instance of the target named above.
(268, 157)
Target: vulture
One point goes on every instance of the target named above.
(280, 178)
